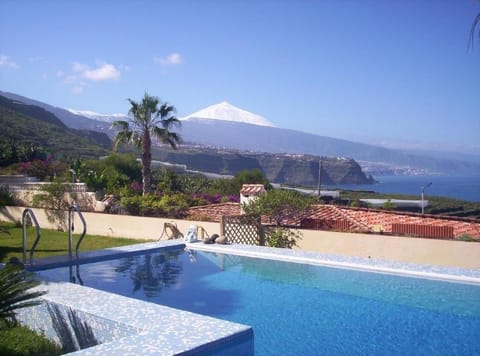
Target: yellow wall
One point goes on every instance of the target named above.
(405, 249)
(135, 227)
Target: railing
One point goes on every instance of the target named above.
(76, 279)
(38, 186)
(419, 230)
(71, 210)
(30, 213)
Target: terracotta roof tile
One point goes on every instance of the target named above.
(359, 219)
(213, 212)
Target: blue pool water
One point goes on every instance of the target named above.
(300, 309)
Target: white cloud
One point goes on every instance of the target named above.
(170, 60)
(105, 71)
(81, 74)
(6, 62)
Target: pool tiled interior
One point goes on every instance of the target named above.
(129, 326)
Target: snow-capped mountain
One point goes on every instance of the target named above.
(228, 112)
(99, 117)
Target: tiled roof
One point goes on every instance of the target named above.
(359, 220)
(213, 212)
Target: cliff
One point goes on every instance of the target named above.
(278, 168)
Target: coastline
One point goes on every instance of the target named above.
(462, 187)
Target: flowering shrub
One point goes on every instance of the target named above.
(170, 205)
(206, 199)
(41, 168)
(233, 198)
(136, 187)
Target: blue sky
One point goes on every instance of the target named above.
(377, 71)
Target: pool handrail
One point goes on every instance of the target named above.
(30, 213)
(71, 209)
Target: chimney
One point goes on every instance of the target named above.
(250, 192)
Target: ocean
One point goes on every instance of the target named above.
(457, 187)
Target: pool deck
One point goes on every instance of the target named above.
(128, 326)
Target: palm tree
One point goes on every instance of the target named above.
(149, 118)
(471, 39)
(16, 293)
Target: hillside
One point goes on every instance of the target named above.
(238, 135)
(31, 126)
(278, 168)
(243, 136)
(68, 118)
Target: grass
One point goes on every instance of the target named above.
(51, 243)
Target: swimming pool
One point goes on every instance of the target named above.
(299, 309)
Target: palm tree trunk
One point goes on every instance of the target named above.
(146, 163)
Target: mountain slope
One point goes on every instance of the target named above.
(28, 125)
(276, 140)
(32, 111)
(71, 120)
(99, 117)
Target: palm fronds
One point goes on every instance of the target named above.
(471, 39)
(15, 292)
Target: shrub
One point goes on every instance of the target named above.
(170, 205)
(282, 237)
(174, 205)
(20, 340)
(131, 204)
(6, 198)
(467, 237)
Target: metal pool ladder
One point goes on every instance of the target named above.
(74, 208)
(30, 213)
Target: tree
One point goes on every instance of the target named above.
(279, 206)
(149, 118)
(233, 186)
(16, 293)
(471, 39)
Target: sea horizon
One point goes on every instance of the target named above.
(462, 187)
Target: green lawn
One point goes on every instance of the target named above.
(51, 242)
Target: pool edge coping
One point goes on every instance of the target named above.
(289, 255)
